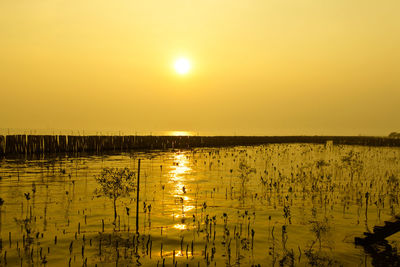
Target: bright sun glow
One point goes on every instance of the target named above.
(182, 66)
(179, 133)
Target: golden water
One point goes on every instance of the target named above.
(274, 204)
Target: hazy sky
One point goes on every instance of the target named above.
(258, 67)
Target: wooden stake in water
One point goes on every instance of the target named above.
(137, 199)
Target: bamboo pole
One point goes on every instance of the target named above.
(137, 199)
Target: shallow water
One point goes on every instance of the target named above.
(295, 204)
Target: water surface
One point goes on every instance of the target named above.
(296, 204)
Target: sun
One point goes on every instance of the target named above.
(182, 66)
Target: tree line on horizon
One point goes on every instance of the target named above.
(394, 135)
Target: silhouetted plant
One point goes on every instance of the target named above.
(115, 183)
(244, 173)
(320, 228)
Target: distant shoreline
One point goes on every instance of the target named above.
(53, 144)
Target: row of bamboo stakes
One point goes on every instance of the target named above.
(50, 144)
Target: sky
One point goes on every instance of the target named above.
(258, 67)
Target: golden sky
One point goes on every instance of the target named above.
(258, 67)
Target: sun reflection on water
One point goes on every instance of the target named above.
(180, 133)
(178, 177)
(180, 226)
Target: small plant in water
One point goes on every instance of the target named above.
(244, 171)
(115, 183)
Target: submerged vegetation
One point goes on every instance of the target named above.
(282, 205)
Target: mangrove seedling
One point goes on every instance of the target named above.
(115, 183)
